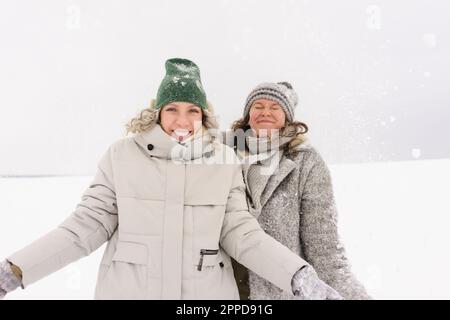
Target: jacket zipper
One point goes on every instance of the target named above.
(204, 252)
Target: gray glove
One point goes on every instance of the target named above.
(8, 280)
(306, 285)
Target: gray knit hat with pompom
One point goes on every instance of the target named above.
(280, 92)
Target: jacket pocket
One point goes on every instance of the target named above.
(131, 252)
(127, 276)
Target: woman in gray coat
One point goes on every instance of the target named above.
(289, 191)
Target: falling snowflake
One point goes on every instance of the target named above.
(73, 19)
(373, 278)
(416, 153)
(429, 39)
(373, 21)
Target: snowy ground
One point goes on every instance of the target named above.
(394, 220)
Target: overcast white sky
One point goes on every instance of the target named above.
(372, 76)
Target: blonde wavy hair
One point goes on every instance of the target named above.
(149, 117)
(294, 129)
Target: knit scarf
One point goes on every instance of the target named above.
(260, 163)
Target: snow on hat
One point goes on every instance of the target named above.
(181, 83)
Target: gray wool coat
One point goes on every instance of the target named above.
(298, 210)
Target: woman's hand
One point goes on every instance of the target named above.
(9, 281)
(306, 285)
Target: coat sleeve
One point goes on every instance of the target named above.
(245, 241)
(92, 223)
(320, 240)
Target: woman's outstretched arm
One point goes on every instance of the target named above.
(86, 229)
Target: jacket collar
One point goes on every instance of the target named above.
(157, 143)
(285, 167)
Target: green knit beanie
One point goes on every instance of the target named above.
(181, 83)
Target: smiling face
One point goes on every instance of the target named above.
(266, 116)
(181, 119)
